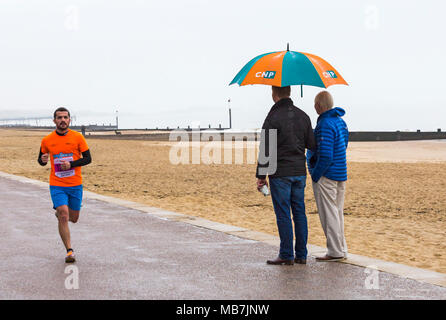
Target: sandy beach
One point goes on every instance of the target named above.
(395, 207)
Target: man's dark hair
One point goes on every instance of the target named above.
(61, 109)
(282, 92)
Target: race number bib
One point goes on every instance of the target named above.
(58, 159)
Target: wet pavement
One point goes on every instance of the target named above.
(125, 253)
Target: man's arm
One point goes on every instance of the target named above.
(325, 155)
(86, 159)
(310, 141)
(346, 134)
(310, 145)
(311, 160)
(264, 145)
(43, 158)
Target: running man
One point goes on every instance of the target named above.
(64, 148)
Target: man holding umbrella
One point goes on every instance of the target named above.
(287, 183)
(287, 176)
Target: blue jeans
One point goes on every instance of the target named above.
(288, 192)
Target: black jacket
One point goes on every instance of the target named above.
(294, 135)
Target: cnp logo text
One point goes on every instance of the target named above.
(330, 74)
(266, 74)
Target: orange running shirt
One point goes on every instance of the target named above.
(64, 148)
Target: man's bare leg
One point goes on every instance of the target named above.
(62, 214)
(73, 215)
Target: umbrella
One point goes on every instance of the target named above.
(286, 68)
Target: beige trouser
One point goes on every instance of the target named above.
(329, 196)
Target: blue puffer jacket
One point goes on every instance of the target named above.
(330, 159)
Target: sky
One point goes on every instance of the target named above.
(169, 63)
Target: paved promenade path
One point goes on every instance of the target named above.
(126, 253)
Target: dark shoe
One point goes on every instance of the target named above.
(300, 261)
(280, 261)
(69, 258)
(329, 258)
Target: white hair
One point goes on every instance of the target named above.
(325, 100)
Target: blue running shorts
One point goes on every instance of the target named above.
(70, 196)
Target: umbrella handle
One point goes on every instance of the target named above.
(301, 90)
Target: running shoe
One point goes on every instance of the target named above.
(69, 258)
